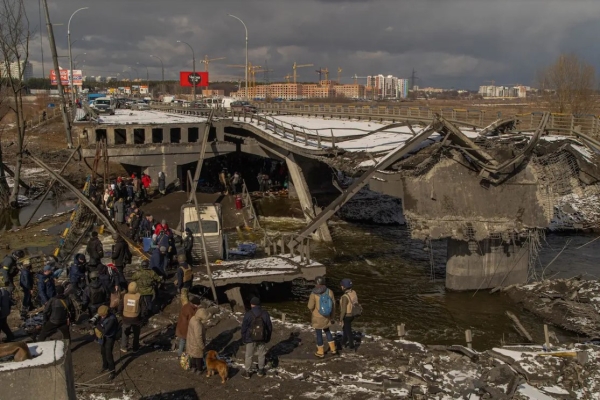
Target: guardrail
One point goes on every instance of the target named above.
(559, 123)
(40, 120)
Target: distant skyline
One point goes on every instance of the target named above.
(450, 43)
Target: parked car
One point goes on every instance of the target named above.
(243, 106)
(105, 105)
(140, 105)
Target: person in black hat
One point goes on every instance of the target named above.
(349, 309)
(256, 333)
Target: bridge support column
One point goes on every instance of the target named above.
(305, 198)
(184, 134)
(110, 136)
(220, 128)
(485, 264)
(129, 138)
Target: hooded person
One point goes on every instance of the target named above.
(46, 285)
(58, 314)
(77, 271)
(196, 339)
(130, 309)
(95, 251)
(95, 294)
(256, 333)
(349, 308)
(321, 303)
(162, 183)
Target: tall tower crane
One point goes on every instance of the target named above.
(323, 71)
(300, 66)
(207, 61)
(339, 75)
(287, 78)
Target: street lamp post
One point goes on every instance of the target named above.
(193, 69)
(147, 76)
(162, 66)
(233, 16)
(70, 58)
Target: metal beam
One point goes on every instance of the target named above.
(358, 184)
(201, 156)
(75, 191)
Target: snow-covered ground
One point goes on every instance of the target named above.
(127, 117)
(44, 353)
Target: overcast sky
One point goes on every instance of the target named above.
(450, 43)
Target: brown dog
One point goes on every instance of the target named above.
(213, 364)
(19, 350)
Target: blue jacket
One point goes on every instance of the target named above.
(46, 287)
(109, 326)
(157, 262)
(247, 322)
(77, 271)
(26, 279)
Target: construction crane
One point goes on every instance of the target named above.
(252, 71)
(207, 61)
(323, 71)
(287, 78)
(259, 70)
(356, 78)
(300, 66)
(339, 75)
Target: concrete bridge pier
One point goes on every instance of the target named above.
(485, 264)
(299, 182)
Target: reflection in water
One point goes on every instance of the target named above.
(9, 219)
(400, 280)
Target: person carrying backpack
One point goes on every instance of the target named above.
(349, 309)
(256, 333)
(321, 303)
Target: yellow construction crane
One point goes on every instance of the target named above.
(300, 66)
(339, 75)
(252, 71)
(207, 61)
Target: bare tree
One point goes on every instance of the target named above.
(569, 85)
(4, 189)
(14, 50)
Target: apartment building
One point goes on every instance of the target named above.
(387, 87)
(26, 69)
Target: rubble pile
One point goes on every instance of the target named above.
(572, 304)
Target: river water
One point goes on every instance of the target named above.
(399, 280)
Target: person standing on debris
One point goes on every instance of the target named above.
(135, 182)
(96, 252)
(162, 183)
(188, 310)
(185, 277)
(188, 245)
(236, 183)
(223, 181)
(26, 283)
(134, 224)
(119, 211)
(6, 303)
(58, 314)
(121, 256)
(147, 280)
(163, 226)
(9, 269)
(107, 328)
(46, 285)
(146, 182)
(349, 308)
(130, 309)
(146, 226)
(157, 261)
(321, 303)
(95, 294)
(77, 272)
(256, 333)
(196, 340)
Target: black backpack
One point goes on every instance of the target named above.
(257, 328)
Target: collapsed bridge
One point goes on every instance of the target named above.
(487, 191)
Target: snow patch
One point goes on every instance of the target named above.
(44, 353)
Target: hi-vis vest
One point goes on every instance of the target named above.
(131, 305)
(353, 299)
(188, 274)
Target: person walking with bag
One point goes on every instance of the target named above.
(349, 309)
(256, 333)
(321, 303)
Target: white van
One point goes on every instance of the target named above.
(216, 242)
(226, 102)
(105, 105)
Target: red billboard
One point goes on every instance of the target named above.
(187, 78)
(64, 77)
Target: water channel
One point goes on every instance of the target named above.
(399, 280)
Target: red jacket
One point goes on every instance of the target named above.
(160, 228)
(146, 181)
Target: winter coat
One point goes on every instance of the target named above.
(196, 335)
(121, 254)
(95, 251)
(96, 294)
(120, 211)
(157, 262)
(160, 228)
(9, 269)
(146, 181)
(6, 302)
(46, 287)
(26, 279)
(345, 303)
(76, 272)
(247, 323)
(109, 325)
(136, 185)
(146, 228)
(317, 320)
(146, 281)
(183, 321)
(162, 181)
(59, 310)
(188, 243)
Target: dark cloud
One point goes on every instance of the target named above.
(451, 43)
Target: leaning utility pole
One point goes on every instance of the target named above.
(61, 93)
